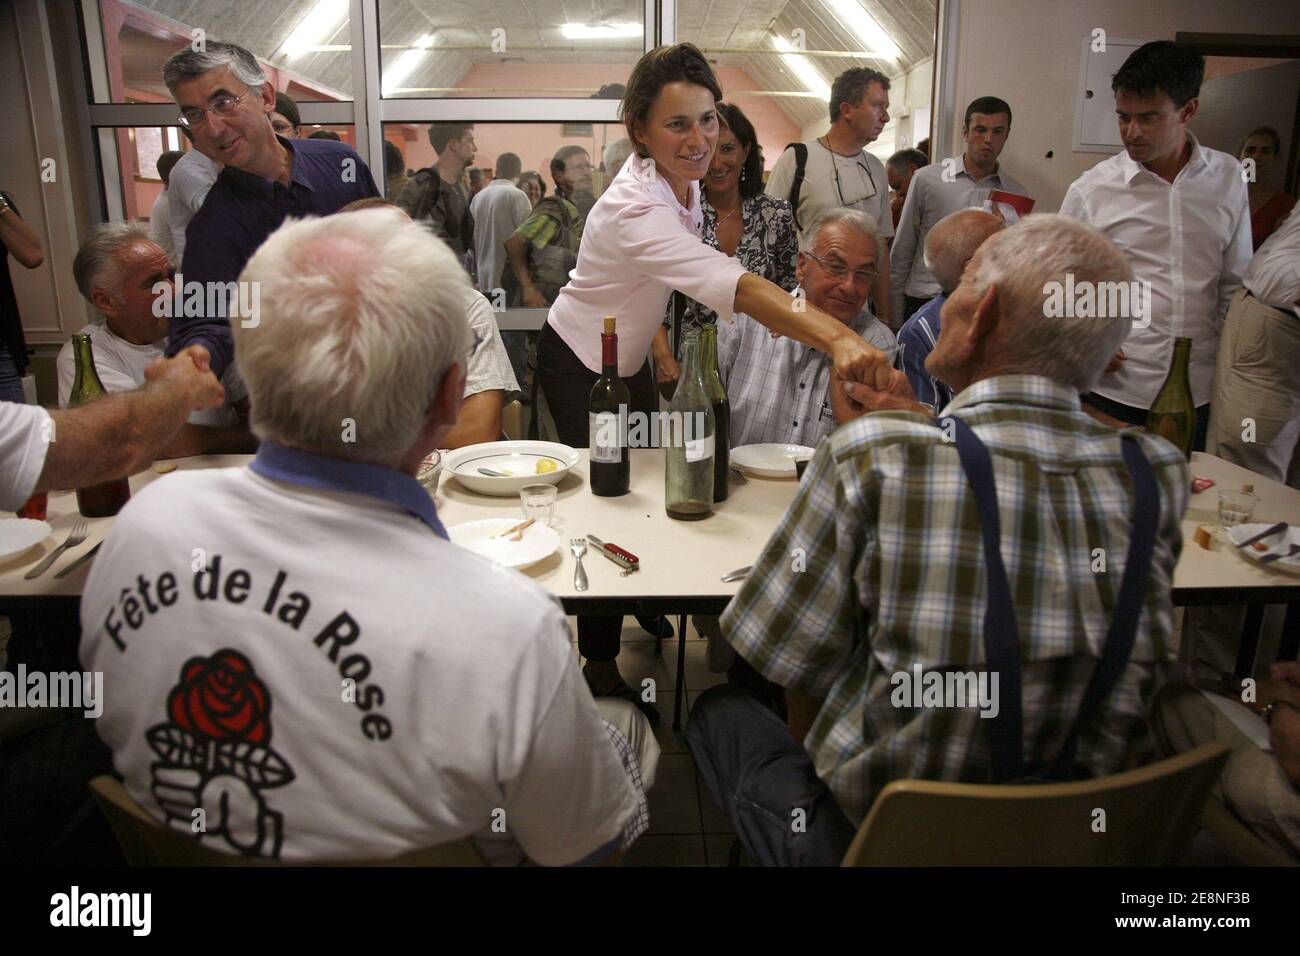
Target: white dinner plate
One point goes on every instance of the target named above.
(19, 534)
(1278, 543)
(484, 538)
(516, 459)
(769, 460)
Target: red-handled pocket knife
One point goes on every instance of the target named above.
(621, 556)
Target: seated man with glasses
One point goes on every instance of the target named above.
(777, 386)
(226, 103)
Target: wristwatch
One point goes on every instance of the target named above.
(1270, 708)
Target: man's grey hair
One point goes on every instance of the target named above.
(97, 265)
(187, 63)
(615, 155)
(953, 240)
(856, 221)
(360, 317)
(1024, 261)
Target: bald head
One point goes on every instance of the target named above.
(952, 242)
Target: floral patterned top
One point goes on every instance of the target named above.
(767, 247)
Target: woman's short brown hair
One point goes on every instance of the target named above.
(654, 71)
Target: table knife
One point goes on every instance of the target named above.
(621, 556)
(79, 562)
(737, 574)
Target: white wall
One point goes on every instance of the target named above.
(906, 92)
(1027, 52)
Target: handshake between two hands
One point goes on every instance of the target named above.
(190, 372)
(865, 382)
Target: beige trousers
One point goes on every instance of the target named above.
(1252, 787)
(1255, 411)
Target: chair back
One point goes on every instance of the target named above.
(1142, 817)
(146, 842)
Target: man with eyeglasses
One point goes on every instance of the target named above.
(777, 386)
(940, 189)
(226, 103)
(835, 170)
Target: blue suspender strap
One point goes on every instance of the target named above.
(1001, 636)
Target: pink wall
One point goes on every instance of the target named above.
(536, 143)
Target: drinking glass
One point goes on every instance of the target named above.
(538, 502)
(1236, 507)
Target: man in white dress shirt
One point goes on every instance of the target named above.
(1179, 211)
(1256, 420)
(160, 222)
(840, 172)
(940, 189)
(328, 676)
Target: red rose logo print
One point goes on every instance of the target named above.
(216, 758)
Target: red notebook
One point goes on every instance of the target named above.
(1009, 206)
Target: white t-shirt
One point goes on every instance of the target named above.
(862, 185)
(121, 366)
(468, 707)
(160, 224)
(498, 209)
(24, 441)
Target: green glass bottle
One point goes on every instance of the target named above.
(689, 441)
(1173, 413)
(106, 499)
(717, 393)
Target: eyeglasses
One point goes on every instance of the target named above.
(862, 167)
(223, 105)
(838, 270)
(282, 128)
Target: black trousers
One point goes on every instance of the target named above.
(759, 775)
(567, 385)
(1133, 415)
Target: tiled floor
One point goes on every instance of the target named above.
(685, 828)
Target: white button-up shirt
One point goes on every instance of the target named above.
(1274, 274)
(1190, 239)
(187, 188)
(638, 245)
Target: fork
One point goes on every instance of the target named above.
(579, 547)
(77, 535)
(1269, 559)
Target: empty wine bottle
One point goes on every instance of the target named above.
(610, 464)
(1173, 413)
(689, 441)
(102, 500)
(717, 393)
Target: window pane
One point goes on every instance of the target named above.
(755, 48)
(303, 45)
(508, 48)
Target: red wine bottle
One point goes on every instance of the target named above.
(610, 465)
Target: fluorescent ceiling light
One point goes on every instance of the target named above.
(802, 68)
(873, 36)
(601, 31)
(395, 75)
(315, 27)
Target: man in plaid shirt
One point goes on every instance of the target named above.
(877, 567)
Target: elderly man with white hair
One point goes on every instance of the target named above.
(777, 387)
(949, 245)
(893, 589)
(124, 274)
(296, 648)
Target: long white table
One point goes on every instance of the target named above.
(682, 562)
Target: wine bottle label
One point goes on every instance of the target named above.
(699, 449)
(605, 439)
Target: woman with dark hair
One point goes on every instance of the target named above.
(740, 219)
(533, 185)
(641, 241)
(1268, 205)
(285, 120)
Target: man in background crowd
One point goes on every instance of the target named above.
(160, 223)
(437, 197)
(900, 168)
(836, 170)
(940, 189)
